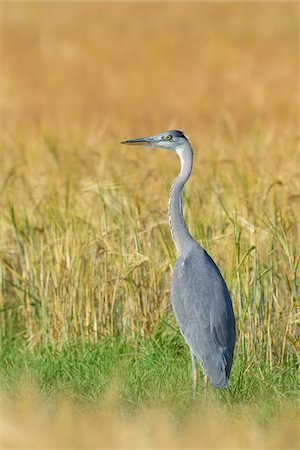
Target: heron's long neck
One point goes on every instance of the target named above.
(179, 231)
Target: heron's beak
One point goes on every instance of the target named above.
(140, 141)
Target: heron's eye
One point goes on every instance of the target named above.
(168, 137)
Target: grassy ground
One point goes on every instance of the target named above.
(143, 374)
(118, 394)
(85, 250)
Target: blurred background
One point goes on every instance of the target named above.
(148, 66)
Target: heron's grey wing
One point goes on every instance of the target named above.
(203, 309)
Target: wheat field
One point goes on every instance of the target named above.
(85, 248)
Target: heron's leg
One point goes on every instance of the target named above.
(205, 387)
(194, 374)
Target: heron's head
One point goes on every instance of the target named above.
(169, 140)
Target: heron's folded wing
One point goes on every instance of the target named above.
(203, 300)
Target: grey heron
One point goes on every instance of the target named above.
(199, 295)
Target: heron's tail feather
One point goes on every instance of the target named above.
(219, 369)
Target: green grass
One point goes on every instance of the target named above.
(142, 373)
